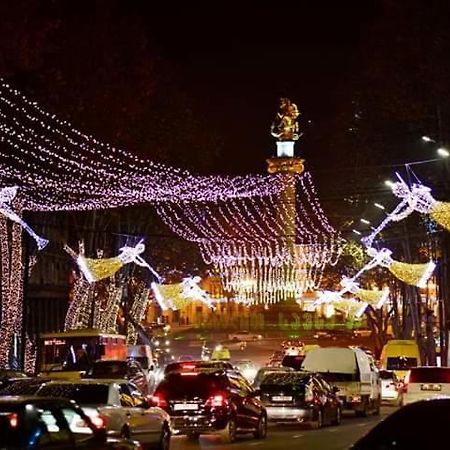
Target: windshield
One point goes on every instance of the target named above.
(83, 394)
(293, 382)
(401, 363)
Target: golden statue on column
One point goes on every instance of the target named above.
(285, 126)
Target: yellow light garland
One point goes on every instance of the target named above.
(440, 213)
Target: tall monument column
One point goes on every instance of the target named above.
(285, 129)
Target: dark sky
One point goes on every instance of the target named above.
(232, 60)
(236, 60)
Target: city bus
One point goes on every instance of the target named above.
(74, 351)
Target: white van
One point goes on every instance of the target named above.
(424, 383)
(352, 371)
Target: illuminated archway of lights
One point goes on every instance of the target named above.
(57, 167)
(264, 249)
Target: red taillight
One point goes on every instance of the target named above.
(159, 400)
(13, 420)
(99, 421)
(216, 400)
(188, 366)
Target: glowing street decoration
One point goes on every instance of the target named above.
(247, 242)
(178, 295)
(412, 274)
(373, 297)
(60, 168)
(352, 308)
(415, 198)
(7, 195)
(101, 268)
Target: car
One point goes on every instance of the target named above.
(129, 369)
(420, 425)
(247, 368)
(233, 344)
(263, 371)
(293, 361)
(244, 335)
(390, 391)
(182, 358)
(28, 422)
(120, 403)
(213, 401)
(424, 383)
(23, 386)
(6, 375)
(189, 366)
(299, 397)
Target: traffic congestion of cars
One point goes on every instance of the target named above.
(117, 403)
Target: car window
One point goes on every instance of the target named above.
(54, 428)
(80, 428)
(126, 399)
(83, 394)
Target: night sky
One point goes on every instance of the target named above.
(197, 86)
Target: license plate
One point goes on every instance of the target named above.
(431, 387)
(185, 406)
(282, 398)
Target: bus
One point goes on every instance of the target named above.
(75, 350)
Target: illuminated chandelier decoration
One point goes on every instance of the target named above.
(268, 248)
(178, 295)
(415, 198)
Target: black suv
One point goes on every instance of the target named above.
(297, 397)
(211, 401)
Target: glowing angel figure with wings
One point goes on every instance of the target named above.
(415, 198)
(7, 195)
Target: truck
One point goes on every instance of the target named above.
(352, 372)
(399, 356)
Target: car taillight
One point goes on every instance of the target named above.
(159, 400)
(309, 395)
(216, 400)
(99, 421)
(13, 420)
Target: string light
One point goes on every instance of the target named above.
(61, 168)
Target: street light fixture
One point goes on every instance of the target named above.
(427, 139)
(441, 151)
(367, 222)
(379, 206)
(356, 232)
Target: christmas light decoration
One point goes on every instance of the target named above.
(60, 168)
(178, 295)
(350, 307)
(137, 312)
(415, 198)
(11, 286)
(7, 195)
(266, 249)
(101, 268)
(413, 274)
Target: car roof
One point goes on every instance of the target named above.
(89, 381)
(22, 399)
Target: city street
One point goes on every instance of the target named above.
(282, 437)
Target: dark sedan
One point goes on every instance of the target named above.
(298, 397)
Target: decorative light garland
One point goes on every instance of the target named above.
(415, 198)
(61, 168)
(178, 295)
